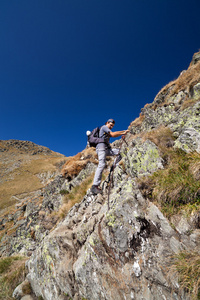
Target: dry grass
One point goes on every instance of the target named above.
(162, 137)
(75, 196)
(8, 227)
(12, 273)
(186, 266)
(194, 166)
(188, 103)
(185, 81)
(75, 164)
(188, 78)
(138, 121)
(23, 179)
(176, 186)
(43, 164)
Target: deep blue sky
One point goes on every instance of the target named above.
(66, 66)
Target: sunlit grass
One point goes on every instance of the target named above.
(24, 179)
(186, 266)
(189, 78)
(177, 186)
(76, 195)
(12, 273)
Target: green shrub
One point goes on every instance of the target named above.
(64, 192)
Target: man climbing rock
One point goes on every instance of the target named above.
(104, 149)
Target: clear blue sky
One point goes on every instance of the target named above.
(66, 66)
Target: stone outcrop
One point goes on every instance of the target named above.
(121, 253)
(119, 245)
(27, 171)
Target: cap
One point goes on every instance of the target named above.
(111, 121)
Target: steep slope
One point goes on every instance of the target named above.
(128, 250)
(34, 195)
(25, 168)
(132, 242)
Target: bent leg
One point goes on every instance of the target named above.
(113, 152)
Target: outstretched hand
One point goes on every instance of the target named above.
(126, 131)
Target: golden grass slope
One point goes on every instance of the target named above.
(75, 164)
(23, 172)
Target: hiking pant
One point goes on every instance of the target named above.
(102, 162)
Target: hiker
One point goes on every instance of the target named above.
(104, 149)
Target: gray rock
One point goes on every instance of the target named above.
(196, 91)
(18, 292)
(142, 159)
(28, 297)
(188, 140)
(195, 58)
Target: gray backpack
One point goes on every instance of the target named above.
(93, 137)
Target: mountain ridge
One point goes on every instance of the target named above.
(82, 247)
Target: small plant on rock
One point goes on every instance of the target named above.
(176, 186)
(186, 266)
(64, 192)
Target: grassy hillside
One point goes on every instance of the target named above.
(25, 168)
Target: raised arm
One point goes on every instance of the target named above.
(118, 133)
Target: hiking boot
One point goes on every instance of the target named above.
(96, 190)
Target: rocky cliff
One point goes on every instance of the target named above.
(26, 169)
(136, 240)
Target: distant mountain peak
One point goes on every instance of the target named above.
(23, 147)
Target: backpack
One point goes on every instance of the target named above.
(93, 137)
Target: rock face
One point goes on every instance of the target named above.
(119, 245)
(27, 171)
(120, 253)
